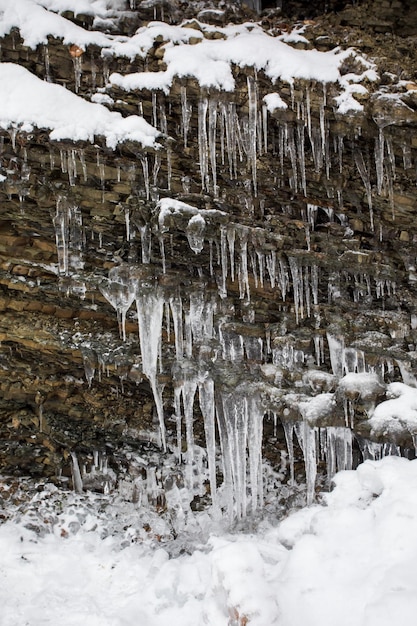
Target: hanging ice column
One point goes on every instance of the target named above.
(252, 128)
(150, 308)
(119, 290)
(69, 237)
(240, 422)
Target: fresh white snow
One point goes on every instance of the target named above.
(26, 101)
(350, 560)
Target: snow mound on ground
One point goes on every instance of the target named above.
(27, 101)
(352, 561)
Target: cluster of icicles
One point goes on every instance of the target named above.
(238, 254)
(224, 368)
(232, 138)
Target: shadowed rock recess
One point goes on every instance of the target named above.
(234, 296)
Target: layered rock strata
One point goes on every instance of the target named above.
(244, 284)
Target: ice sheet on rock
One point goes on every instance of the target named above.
(29, 101)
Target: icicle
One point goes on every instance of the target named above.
(252, 128)
(212, 126)
(48, 77)
(162, 251)
(156, 168)
(145, 168)
(243, 265)
(81, 156)
(119, 290)
(77, 481)
(379, 159)
(231, 236)
(146, 243)
(291, 150)
(319, 349)
(89, 362)
(178, 416)
(69, 236)
(289, 438)
(307, 437)
(271, 266)
(255, 430)
(78, 71)
(363, 171)
(407, 160)
(186, 113)
(298, 289)
(127, 222)
(338, 450)
(202, 142)
(301, 156)
(169, 167)
(265, 127)
(154, 111)
(188, 385)
(150, 306)
(206, 400)
(223, 257)
(195, 231)
(336, 346)
(232, 418)
(407, 376)
(176, 312)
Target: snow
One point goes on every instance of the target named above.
(350, 560)
(210, 62)
(27, 101)
(318, 407)
(35, 24)
(398, 414)
(274, 102)
(187, 53)
(364, 385)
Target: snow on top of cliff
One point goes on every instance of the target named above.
(210, 62)
(27, 101)
(201, 51)
(100, 8)
(36, 22)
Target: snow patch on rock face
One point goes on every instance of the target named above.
(28, 101)
(274, 102)
(398, 414)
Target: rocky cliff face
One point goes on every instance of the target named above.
(244, 289)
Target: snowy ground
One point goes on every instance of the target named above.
(350, 560)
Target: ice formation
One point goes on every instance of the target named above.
(190, 332)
